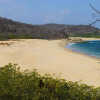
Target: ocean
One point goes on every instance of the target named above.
(90, 48)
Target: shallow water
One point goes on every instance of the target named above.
(91, 48)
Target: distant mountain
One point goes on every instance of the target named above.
(73, 29)
(12, 29)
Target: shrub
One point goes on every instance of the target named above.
(17, 85)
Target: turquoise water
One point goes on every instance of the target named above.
(91, 48)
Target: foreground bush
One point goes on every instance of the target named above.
(16, 85)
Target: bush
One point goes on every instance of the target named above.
(17, 85)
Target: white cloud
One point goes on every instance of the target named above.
(59, 17)
(65, 12)
(16, 15)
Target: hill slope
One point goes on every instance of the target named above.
(12, 29)
(73, 29)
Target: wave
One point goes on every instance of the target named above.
(71, 43)
(94, 42)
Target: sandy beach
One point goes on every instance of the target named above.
(50, 56)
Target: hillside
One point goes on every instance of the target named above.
(11, 29)
(73, 29)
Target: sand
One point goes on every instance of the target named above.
(85, 38)
(53, 58)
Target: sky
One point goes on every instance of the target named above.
(50, 11)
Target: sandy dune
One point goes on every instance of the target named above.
(51, 57)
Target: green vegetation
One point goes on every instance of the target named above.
(17, 85)
(13, 36)
(87, 35)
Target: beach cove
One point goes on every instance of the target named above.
(50, 56)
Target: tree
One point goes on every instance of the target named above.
(97, 13)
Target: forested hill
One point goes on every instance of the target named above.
(12, 29)
(74, 29)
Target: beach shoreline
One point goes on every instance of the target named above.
(86, 39)
(51, 57)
